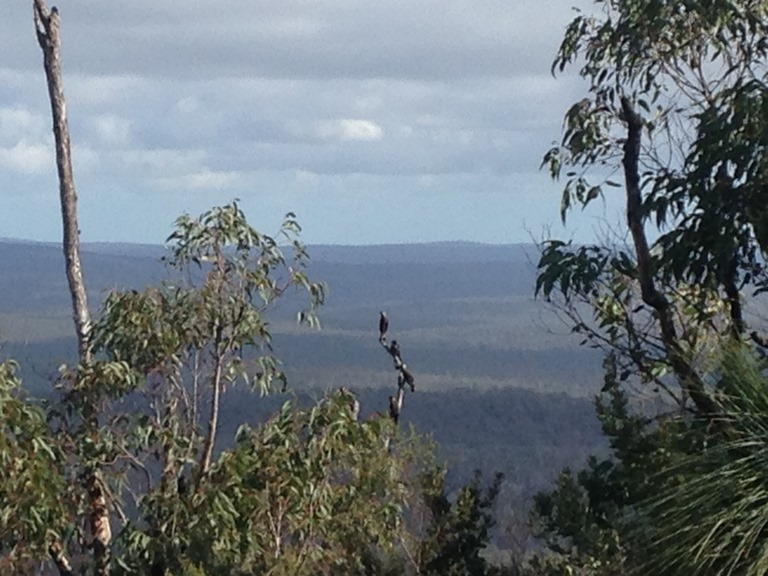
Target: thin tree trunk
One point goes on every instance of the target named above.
(213, 417)
(47, 29)
(219, 352)
(689, 380)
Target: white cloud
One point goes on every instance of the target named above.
(102, 90)
(214, 96)
(203, 180)
(349, 129)
(85, 159)
(112, 130)
(159, 162)
(306, 179)
(188, 105)
(364, 130)
(27, 158)
(17, 123)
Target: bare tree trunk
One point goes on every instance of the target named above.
(219, 352)
(689, 379)
(213, 417)
(47, 29)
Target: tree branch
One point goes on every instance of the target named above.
(689, 379)
(56, 552)
(738, 326)
(213, 417)
(404, 376)
(213, 422)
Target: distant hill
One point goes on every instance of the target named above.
(463, 312)
(433, 253)
(500, 383)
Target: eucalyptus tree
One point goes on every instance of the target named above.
(675, 114)
(164, 356)
(674, 120)
(33, 487)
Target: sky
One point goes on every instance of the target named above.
(376, 122)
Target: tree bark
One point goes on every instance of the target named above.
(47, 29)
(689, 380)
(56, 551)
(213, 417)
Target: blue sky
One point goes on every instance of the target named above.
(376, 122)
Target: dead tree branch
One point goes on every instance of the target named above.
(56, 552)
(404, 375)
(47, 28)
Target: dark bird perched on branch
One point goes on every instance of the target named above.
(354, 403)
(394, 351)
(408, 377)
(404, 376)
(383, 326)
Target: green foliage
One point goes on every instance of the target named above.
(220, 310)
(457, 532)
(145, 411)
(580, 520)
(676, 101)
(309, 492)
(697, 71)
(709, 515)
(32, 477)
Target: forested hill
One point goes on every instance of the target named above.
(464, 315)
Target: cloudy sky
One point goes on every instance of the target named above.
(376, 121)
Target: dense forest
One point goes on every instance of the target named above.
(171, 439)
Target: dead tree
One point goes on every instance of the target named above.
(47, 28)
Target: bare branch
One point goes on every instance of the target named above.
(56, 552)
(47, 28)
(213, 418)
(404, 375)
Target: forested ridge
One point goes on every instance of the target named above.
(166, 436)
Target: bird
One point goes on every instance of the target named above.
(408, 377)
(383, 326)
(394, 349)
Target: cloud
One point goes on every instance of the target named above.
(17, 123)
(203, 180)
(27, 158)
(348, 129)
(112, 130)
(231, 99)
(157, 162)
(431, 39)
